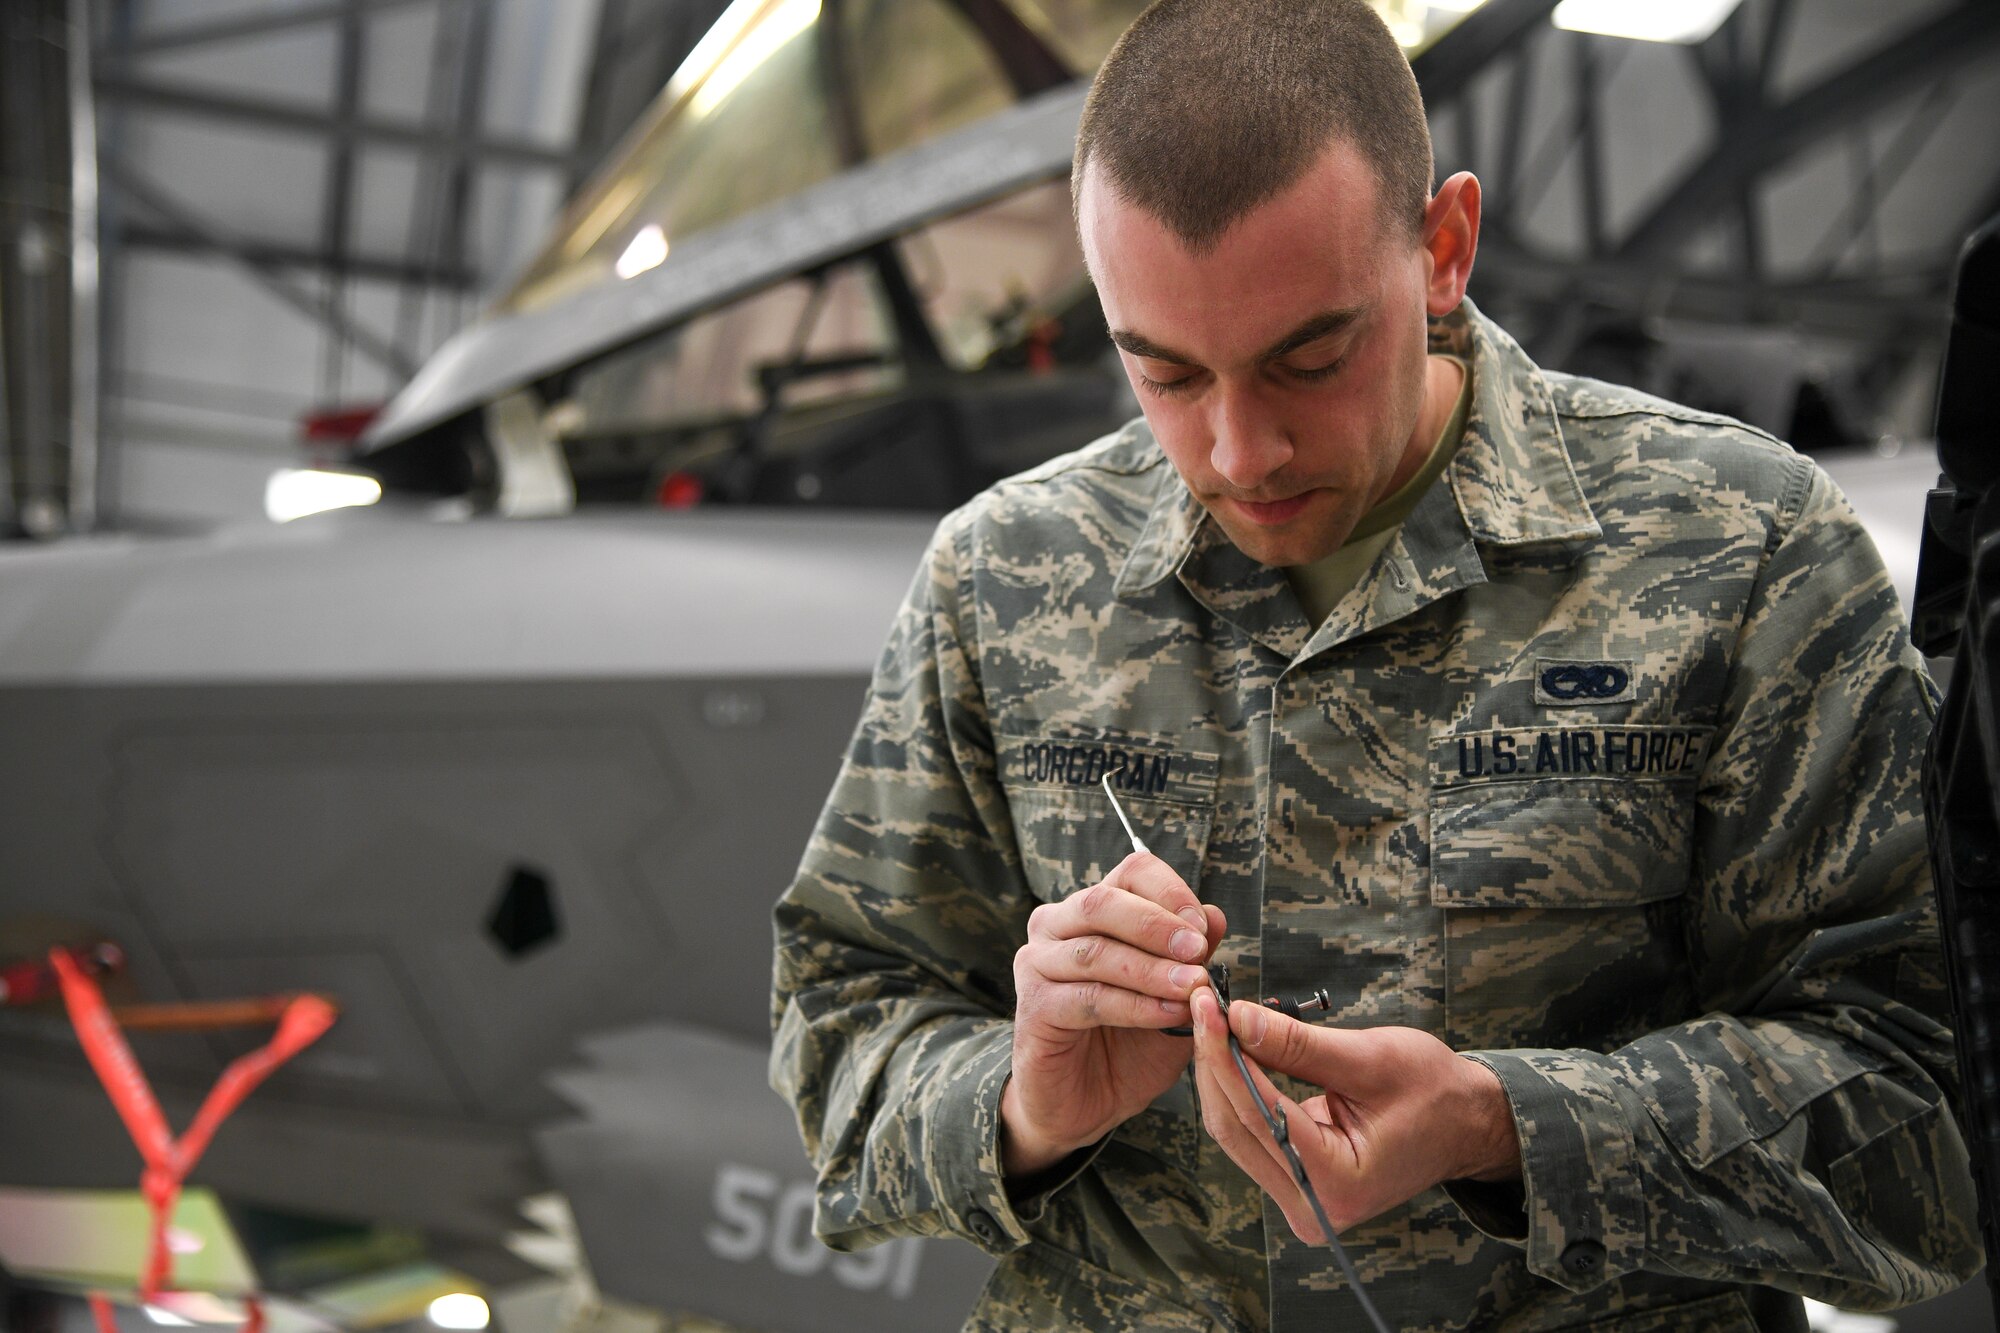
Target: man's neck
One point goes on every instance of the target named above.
(1443, 378)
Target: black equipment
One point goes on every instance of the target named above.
(1958, 611)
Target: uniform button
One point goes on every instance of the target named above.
(985, 1228)
(1583, 1258)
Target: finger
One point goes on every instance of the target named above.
(1109, 909)
(1218, 925)
(1212, 1051)
(1273, 1169)
(1078, 1006)
(1151, 878)
(1276, 1041)
(1217, 1082)
(1325, 1150)
(1101, 958)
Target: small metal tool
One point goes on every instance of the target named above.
(1119, 810)
(1274, 1118)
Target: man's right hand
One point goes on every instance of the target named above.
(1102, 972)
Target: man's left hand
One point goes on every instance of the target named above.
(1400, 1112)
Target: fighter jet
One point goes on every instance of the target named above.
(513, 764)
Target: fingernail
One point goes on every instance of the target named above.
(1186, 944)
(1193, 916)
(1253, 1024)
(1183, 977)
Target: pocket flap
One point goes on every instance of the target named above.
(1560, 843)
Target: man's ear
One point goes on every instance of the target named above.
(1451, 237)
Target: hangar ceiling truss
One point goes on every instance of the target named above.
(1531, 109)
(1882, 108)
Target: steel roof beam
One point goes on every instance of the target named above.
(130, 90)
(201, 234)
(254, 25)
(462, 173)
(1883, 308)
(1771, 134)
(279, 255)
(1878, 178)
(336, 216)
(1480, 38)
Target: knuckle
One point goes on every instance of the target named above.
(1094, 902)
(1087, 951)
(1137, 861)
(1090, 1000)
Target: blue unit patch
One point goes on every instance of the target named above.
(1659, 754)
(1559, 682)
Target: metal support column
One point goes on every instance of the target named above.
(84, 384)
(35, 206)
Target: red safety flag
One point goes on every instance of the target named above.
(168, 1160)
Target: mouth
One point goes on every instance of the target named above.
(1271, 513)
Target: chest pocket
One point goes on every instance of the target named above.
(1070, 838)
(1560, 858)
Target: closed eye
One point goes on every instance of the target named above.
(1310, 374)
(1166, 388)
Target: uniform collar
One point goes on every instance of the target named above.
(1512, 478)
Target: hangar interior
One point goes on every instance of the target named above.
(459, 458)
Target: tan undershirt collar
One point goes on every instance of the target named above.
(1321, 584)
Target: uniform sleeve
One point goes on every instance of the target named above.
(1800, 1133)
(893, 976)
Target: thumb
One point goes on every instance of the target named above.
(1287, 1045)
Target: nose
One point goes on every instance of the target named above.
(1250, 443)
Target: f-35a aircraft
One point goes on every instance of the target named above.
(513, 764)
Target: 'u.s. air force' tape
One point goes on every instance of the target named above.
(1619, 753)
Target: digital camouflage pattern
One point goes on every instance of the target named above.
(1606, 772)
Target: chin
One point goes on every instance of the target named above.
(1278, 549)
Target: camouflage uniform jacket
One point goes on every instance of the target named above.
(1607, 771)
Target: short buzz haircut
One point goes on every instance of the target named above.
(1206, 109)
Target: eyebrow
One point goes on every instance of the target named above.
(1319, 326)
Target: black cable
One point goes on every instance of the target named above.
(1218, 975)
(1281, 1131)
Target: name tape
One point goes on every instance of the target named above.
(1136, 769)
